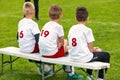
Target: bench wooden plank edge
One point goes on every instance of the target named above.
(14, 51)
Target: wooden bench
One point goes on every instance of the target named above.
(14, 51)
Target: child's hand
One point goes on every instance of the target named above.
(97, 49)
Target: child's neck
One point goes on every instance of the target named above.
(29, 17)
(83, 22)
(57, 20)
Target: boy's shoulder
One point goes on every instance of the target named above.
(32, 21)
(87, 28)
(27, 21)
(21, 20)
(80, 27)
(53, 24)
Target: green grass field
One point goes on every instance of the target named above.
(104, 21)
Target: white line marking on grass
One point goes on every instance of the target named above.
(105, 23)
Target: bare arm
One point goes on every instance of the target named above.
(93, 49)
(60, 42)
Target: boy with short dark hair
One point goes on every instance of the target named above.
(28, 31)
(80, 40)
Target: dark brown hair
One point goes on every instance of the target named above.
(54, 12)
(81, 14)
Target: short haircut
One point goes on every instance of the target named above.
(81, 14)
(28, 8)
(54, 12)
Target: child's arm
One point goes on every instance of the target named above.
(36, 32)
(93, 49)
(60, 42)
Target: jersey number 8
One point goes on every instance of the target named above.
(74, 43)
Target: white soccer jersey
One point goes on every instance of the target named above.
(27, 28)
(78, 38)
(48, 38)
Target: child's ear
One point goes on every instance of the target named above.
(61, 15)
(33, 13)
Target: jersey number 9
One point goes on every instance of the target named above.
(44, 33)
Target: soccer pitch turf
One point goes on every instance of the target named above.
(104, 19)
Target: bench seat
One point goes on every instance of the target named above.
(14, 51)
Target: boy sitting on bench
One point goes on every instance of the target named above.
(52, 43)
(80, 40)
(28, 31)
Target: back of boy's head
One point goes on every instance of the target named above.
(81, 14)
(28, 8)
(54, 12)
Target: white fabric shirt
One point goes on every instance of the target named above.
(48, 43)
(27, 28)
(78, 49)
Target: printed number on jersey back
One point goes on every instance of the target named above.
(44, 33)
(74, 42)
(21, 35)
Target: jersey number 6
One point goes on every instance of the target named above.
(21, 34)
(45, 33)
